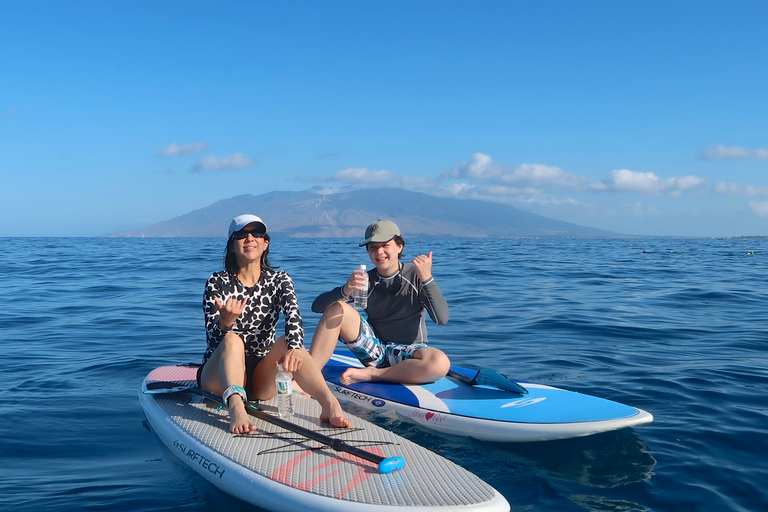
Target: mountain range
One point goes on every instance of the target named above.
(316, 214)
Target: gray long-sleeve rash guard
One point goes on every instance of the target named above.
(396, 305)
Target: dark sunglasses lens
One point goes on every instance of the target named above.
(239, 235)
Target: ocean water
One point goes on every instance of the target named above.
(673, 326)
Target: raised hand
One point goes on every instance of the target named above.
(423, 264)
(229, 312)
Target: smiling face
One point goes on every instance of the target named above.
(385, 256)
(249, 245)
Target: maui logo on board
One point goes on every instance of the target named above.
(203, 461)
(428, 417)
(305, 480)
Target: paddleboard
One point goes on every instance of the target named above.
(280, 470)
(449, 406)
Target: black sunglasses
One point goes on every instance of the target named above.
(243, 233)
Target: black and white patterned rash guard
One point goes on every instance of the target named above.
(257, 323)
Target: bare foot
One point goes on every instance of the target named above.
(334, 415)
(296, 388)
(353, 375)
(239, 421)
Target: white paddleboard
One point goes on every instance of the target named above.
(279, 470)
(449, 406)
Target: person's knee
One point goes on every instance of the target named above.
(443, 364)
(232, 341)
(332, 317)
(438, 361)
(343, 320)
(335, 310)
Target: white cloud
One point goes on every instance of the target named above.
(624, 180)
(362, 176)
(720, 152)
(539, 175)
(738, 189)
(323, 191)
(457, 189)
(174, 149)
(526, 198)
(235, 162)
(480, 166)
(760, 209)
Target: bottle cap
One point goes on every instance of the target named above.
(362, 267)
(280, 367)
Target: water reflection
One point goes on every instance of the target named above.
(605, 460)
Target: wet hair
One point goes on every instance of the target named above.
(399, 240)
(230, 260)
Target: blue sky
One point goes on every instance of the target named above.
(640, 117)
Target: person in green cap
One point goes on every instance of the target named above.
(392, 342)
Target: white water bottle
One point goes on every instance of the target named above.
(284, 393)
(361, 296)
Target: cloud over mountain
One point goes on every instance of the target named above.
(720, 152)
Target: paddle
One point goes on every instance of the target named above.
(385, 464)
(488, 377)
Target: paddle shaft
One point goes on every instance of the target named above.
(336, 444)
(452, 374)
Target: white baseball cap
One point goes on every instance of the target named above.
(241, 221)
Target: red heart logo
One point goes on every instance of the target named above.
(429, 415)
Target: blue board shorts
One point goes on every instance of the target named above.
(371, 351)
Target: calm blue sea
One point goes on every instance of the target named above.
(674, 326)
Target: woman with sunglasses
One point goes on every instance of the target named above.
(392, 342)
(242, 305)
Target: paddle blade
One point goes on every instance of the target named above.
(488, 377)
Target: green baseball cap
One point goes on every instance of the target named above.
(381, 231)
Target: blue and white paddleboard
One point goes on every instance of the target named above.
(449, 406)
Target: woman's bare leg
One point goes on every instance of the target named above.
(308, 377)
(226, 367)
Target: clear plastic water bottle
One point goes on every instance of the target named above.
(284, 393)
(361, 296)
